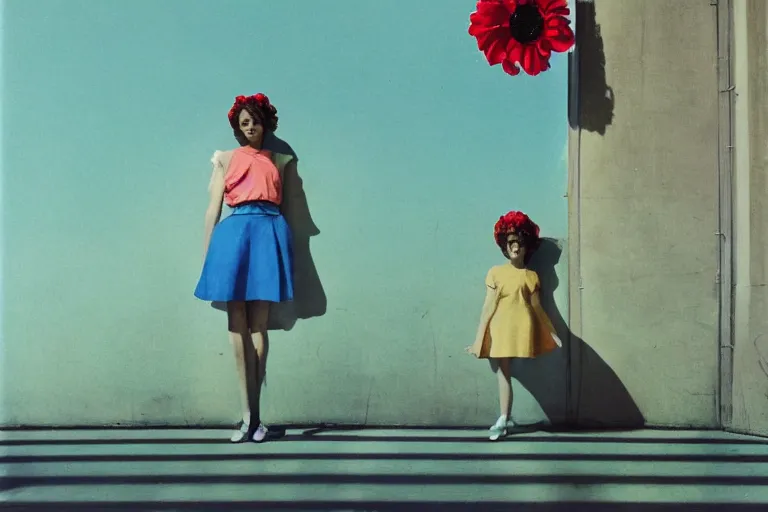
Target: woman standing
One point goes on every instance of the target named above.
(248, 255)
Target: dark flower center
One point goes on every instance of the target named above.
(526, 24)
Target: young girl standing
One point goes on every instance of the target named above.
(512, 322)
(248, 255)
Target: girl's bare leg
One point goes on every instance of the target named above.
(501, 369)
(240, 338)
(505, 387)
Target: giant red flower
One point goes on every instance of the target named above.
(521, 32)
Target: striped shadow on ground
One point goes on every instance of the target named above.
(378, 470)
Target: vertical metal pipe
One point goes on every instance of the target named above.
(573, 378)
(724, 277)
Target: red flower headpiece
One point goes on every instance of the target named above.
(521, 32)
(260, 100)
(522, 225)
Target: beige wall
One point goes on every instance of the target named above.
(750, 386)
(644, 212)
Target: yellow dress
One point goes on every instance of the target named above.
(519, 327)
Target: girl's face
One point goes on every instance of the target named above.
(251, 127)
(515, 248)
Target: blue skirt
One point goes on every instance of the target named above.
(249, 257)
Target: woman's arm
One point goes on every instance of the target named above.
(213, 212)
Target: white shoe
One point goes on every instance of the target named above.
(241, 433)
(499, 429)
(260, 433)
(501, 423)
(498, 433)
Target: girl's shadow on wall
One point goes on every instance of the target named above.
(309, 296)
(578, 382)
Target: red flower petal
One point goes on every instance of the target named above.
(489, 34)
(479, 21)
(511, 5)
(514, 51)
(475, 29)
(496, 51)
(553, 7)
(544, 47)
(559, 34)
(533, 63)
(556, 22)
(510, 68)
(494, 11)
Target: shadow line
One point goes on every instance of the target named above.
(389, 439)
(456, 457)
(16, 482)
(384, 506)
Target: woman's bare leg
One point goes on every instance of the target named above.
(258, 316)
(240, 337)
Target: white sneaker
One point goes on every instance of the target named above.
(241, 433)
(499, 429)
(260, 433)
(500, 423)
(497, 433)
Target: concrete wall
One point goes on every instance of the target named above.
(410, 146)
(750, 385)
(644, 213)
(98, 322)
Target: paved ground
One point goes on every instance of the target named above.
(377, 470)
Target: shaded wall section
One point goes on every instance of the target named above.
(750, 372)
(644, 212)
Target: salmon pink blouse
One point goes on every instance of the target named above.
(252, 176)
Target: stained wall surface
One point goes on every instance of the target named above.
(644, 212)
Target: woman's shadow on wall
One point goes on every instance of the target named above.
(594, 394)
(309, 299)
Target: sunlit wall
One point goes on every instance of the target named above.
(410, 147)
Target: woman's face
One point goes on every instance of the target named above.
(515, 248)
(250, 126)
